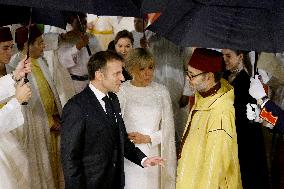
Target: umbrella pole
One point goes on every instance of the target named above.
(143, 27)
(255, 70)
(82, 29)
(26, 80)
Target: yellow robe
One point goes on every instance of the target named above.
(209, 157)
(48, 101)
(1, 105)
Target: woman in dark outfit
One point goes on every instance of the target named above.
(123, 43)
(252, 155)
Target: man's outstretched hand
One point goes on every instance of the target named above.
(153, 161)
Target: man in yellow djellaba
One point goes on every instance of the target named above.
(208, 157)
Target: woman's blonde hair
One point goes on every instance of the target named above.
(138, 58)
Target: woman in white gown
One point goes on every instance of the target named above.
(148, 117)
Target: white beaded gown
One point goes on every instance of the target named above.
(148, 110)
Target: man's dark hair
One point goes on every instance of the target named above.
(21, 46)
(111, 46)
(21, 35)
(124, 34)
(99, 60)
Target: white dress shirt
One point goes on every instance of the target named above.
(100, 95)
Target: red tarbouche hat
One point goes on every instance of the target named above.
(5, 34)
(21, 35)
(206, 60)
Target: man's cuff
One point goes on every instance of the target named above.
(261, 102)
(264, 102)
(144, 159)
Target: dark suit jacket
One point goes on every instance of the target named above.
(88, 140)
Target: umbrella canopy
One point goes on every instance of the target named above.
(151, 6)
(265, 4)
(21, 14)
(224, 24)
(98, 7)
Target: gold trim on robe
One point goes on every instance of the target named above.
(48, 100)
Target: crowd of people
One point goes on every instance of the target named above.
(118, 115)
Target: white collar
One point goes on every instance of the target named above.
(99, 94)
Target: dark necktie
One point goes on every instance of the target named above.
(108, 106)
(111, 116)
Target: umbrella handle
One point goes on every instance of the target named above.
(28, 50)
(26, 80)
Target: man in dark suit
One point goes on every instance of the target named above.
(94, 141)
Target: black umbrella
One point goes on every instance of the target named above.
(20, 14)
(47, 16)
(48, 10)
(255, 25)
(99, 7)
(265, 4)
(151, 6)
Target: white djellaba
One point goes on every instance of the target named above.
(35, 134)
(13, 161)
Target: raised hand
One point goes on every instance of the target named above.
(253, 112)
(84, 40)
(24, 67)
(256, 89)
(23, 92)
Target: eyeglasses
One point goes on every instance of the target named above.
(193, 76)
